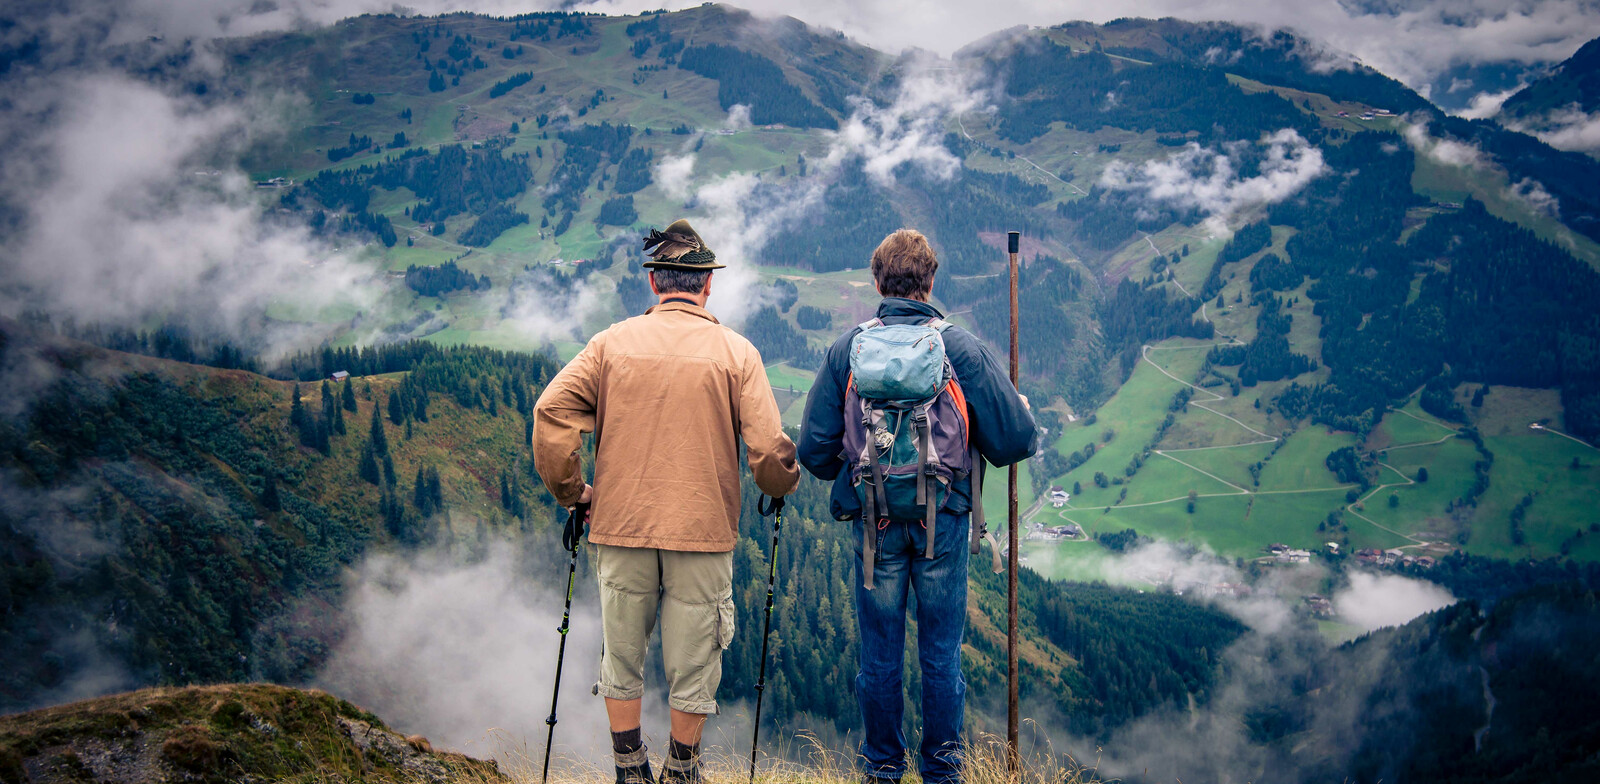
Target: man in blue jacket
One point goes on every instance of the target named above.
(1003, 430)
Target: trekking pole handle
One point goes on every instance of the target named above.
(572, 535)
(770, 505)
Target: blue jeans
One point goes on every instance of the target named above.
(941, 587)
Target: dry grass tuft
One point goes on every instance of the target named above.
(803, 759)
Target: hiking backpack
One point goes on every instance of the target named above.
(906, 434)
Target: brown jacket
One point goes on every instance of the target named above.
(667, 396)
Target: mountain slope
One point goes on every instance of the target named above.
(163, 525)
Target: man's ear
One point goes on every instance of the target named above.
(707, 290)
(651, 276)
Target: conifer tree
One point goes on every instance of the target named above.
(397, 412)
(368, 467)
(348, 395)
(297, 412)
(269, 494)
(328, 404)
(435, 489)
(378, 441)
(420, 496)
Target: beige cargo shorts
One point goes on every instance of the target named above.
(693, 593)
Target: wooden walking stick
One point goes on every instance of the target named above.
(1013, 762)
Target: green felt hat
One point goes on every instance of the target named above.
(680, 248)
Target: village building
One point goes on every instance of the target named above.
(1038, 532)
(1235, 590)
(340, 375)
(1059, 497)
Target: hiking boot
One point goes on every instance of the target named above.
(634, 768)
(677, 771)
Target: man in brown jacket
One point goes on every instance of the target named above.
(668, 395)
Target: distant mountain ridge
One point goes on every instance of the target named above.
(1576, 81)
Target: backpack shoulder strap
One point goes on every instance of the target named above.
(939, 324)
(873, 324)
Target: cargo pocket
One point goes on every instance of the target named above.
(725, 623)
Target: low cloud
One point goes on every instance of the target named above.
(738, 118)
(739, 212)
(911, 129)
(459, 644)
(543, 306)
(1446, 151)
(77, 662)
(1202, 575)
(463, 650)
(1375, 601)
(674, 174)
(1532, 193)
(736, 214)
(1568, 128)
(1262, 673)
(1485, 106)
(131, 210)
(1209, 180)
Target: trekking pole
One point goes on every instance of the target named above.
(774, 507)
(1013, 762)
(569, 541)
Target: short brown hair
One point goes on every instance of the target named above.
(903, 265)
(679, 281)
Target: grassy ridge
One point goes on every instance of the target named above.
(222, 733)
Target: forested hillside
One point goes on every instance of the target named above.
(168, 524)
